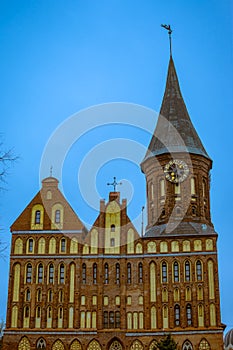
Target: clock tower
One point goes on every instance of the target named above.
(177, 167)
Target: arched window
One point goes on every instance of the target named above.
(153, 282)
(204, 188)
(117, 273)
(177, 315)
(41, 344)
(29, 273)
(162, 188)
(118, 300)
(153, 317)
(74, 245)
(200, 311)
(84, 274)
(177, 188)
(71, 322)
(165, 316)
(212, 315)
(63, 245)
(187, 345)
(105, 320)
(176, 294)
(200, 293)
(106, 273)
(51, 273)
(38, 295)
(52, 245)
(49, 317)
(199, 271)
(188, 296)
(50, 295)
(27, 295)
(129, 320)
(83, 300)
(14, 316)
(128, 273)
(164, 272)
(37, 216)
(135, 320)
(30, 245)
(62, 274)
(41, 246)
(18, 246)
(187, 271)
(60, 317)
(24, 344)
(58, 345)
(57, 216)
(111, 319)
(38, 317)
(40, 273)
(189, 314)
(140, 300)
(26, 317)
(193, 186)
(176, 272)
(94, 273)
(138, 248)
(204, 345)
(211, 279)
(115, 345)
(16, 283)
(113, 228)
(164, 295)
(140, 273)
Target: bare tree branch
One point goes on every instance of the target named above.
(7, 159)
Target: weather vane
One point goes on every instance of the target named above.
(114, 184)
(168, 28)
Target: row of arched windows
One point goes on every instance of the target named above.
(117, 273)
(175, 319)
(115, 344)
(41, 246)
(40, 273)
(176, 271)
(135, 320)
(132, 246)
(37, 217)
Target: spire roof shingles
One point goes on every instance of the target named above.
(174, 131)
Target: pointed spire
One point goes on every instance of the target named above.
(174, 131)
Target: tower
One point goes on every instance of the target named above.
(176, 165)
(177, 170)
(110, 288)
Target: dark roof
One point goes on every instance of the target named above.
(182, 228)
(228, 339)
(174, 131)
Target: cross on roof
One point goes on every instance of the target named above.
(114, 184)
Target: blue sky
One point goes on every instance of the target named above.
(61, 57)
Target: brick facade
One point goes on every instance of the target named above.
(110, 287)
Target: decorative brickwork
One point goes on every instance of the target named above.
(110, 288)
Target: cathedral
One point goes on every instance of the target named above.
(109, 287)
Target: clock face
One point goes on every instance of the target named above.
(176, 171)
